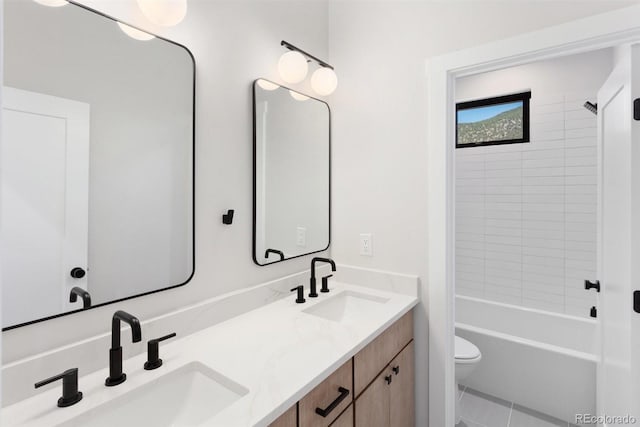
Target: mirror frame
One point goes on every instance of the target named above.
(193, 181)
(255, 178)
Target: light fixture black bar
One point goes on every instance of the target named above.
(308, 55)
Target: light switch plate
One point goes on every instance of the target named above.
(366, 244)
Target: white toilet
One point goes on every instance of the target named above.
(467, 358)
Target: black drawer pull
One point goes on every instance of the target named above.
(343, 395)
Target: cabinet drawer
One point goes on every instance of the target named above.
(345, 419)
(372, 359)
(288, 419)
(328, 396)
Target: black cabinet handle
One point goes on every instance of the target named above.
(396, 370)
(592, 285)
(388, 379)
(593, 312)
(77, 273)
(343, 395)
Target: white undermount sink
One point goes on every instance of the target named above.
(185, 397)
(347, 306)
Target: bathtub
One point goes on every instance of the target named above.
(542, 360)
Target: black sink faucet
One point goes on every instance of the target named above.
(76, 292)
(312, 281)
(116, 376)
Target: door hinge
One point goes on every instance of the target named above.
(636, 301)
(636, 109)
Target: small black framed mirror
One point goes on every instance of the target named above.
(291, 173)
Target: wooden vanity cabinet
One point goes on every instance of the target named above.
(288, 419)
(380, 378)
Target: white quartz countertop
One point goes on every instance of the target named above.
(277, 352)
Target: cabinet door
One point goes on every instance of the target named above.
(401, 398)
(288, 419)
(345, 419)
(372, 406)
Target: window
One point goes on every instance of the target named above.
(492, 121)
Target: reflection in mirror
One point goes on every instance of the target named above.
(292, 173)
(96, 160)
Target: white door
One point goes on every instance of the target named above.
(619, 234)
(44, 174)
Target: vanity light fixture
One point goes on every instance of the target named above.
(165, 13)
(298, 96)
(324, 81)
(52, 3)
(293, 67)
(135, 33)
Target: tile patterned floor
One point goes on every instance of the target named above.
(481, 410)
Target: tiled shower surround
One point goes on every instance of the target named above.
(526, 213)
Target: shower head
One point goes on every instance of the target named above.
(591, 107)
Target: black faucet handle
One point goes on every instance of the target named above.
(325, 283)
(300, 298)
(153, 352)
(70, 393)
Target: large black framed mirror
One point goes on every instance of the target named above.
(97, 162)
(291, 173)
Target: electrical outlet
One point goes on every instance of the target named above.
(301, 236)
(366, 246)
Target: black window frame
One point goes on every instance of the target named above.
(523, 97)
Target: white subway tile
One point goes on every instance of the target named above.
(588, 122)
(578, 114)
(547, 261)
(503, 164)
(557, 171)
(544, 198)
(541, 126)
(581, 133)
(547, 135)
(581, 185)
(509, 249)
(543, 243)
(543, 163)
(503, 231)
(543, 207)
(543, 216)
(581, 180)
(587, 141)
(555, 226)
(555, 153)
(581, 161)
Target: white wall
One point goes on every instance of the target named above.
(233, 43)
(379, 50)
(526, 213)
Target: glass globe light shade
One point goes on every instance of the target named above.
(52, 3)
(267, 85)
(298, 96)
(165, 13)
(134, 33)
(293, 67)
(324, 81)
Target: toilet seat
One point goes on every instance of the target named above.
(466, 352)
